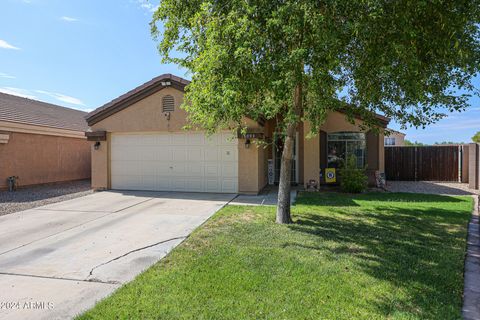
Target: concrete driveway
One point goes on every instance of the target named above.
(58, 260)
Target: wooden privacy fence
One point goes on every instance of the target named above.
(426, 163)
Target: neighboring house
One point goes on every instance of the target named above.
(140, 145)
(395, 138)
(41, 142)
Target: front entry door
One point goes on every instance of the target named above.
(277, 156)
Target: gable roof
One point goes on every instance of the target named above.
(148, 88)
(37, 113)
(125, 100)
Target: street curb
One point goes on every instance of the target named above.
(471, 289)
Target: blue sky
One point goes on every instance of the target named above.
(82, 54)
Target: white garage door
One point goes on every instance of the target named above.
(174, 162)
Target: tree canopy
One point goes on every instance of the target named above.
(476, 137)
(403, 59)
(296, 61)
(413, 143)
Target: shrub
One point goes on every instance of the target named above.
(353, 179)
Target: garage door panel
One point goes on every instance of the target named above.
(174, 162)
(195, 154)
(229, 185)
(162, 139)
(163, 153)
(146, 140)
(195, 169)
(195, 139)
(229, 170)
(179, 153)
(148, 182)
(178, 139)
(125, 168)
(148, 168)
(179, 184)
(212, 140)
(212, 154)
(195, 184)
(162, 169)
(127, 182)
(163, 183)
(145, 153)
(178, 169)
(116, 153)
(228, 154)
(116, 166)
(212, 169)
(212, 185)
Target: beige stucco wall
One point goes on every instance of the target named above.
(38, 158)
(335, 122)
(381, 152)
(248, 167)
(147, 116)
(311, 155)
(399, 138)
(100, 165)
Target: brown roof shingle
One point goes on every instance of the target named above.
(33, 112)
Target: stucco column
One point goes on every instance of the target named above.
(248, 171)
(100, 166)
(311, 155)
(381, 152)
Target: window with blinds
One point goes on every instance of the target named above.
(168, 104)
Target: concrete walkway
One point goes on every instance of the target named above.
(58, 260)
(471, 291)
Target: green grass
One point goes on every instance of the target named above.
(369, 256)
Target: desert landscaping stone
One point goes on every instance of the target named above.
(431, 187)
(36, 196)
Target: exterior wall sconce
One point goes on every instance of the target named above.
(247, 143)
(96, 146)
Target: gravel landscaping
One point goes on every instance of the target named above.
(36, 196)
(431, 187)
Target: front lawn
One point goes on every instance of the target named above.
(371, 256)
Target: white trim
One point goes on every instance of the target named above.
(33, 129)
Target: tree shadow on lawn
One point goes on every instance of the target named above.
(337, 199)
(418, 250)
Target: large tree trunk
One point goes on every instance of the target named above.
(284, 187)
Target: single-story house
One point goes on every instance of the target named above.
(139, 144)
(395, 138)
(41, 142)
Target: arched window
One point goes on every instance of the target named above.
(341, 145)
(168, 104)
